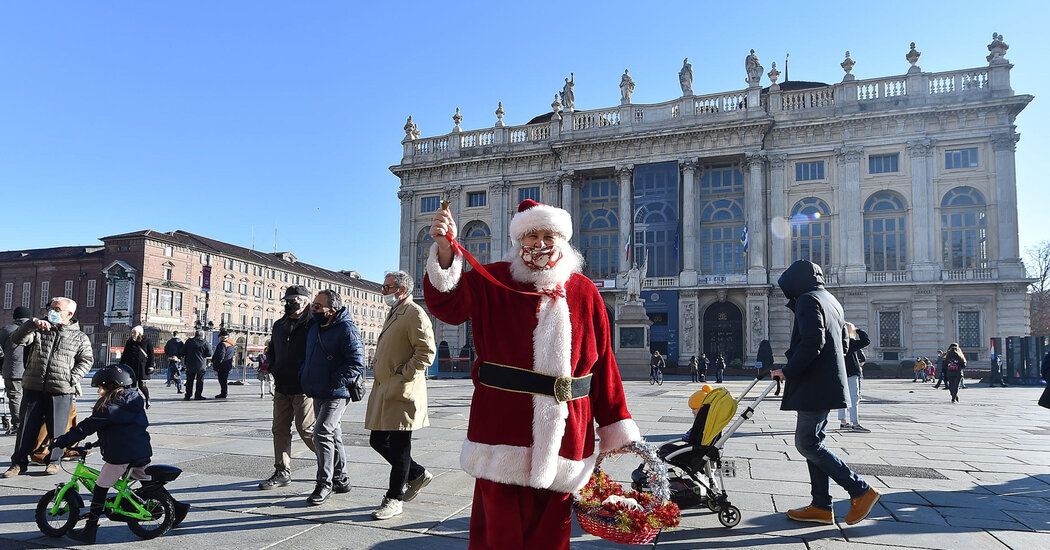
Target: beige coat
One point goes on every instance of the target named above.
(404, 351)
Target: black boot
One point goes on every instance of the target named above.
(86, 535)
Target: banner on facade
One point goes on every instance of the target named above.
(206, 278)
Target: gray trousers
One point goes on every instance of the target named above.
(13, 389)
(328, 441)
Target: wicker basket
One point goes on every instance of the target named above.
(601, 523)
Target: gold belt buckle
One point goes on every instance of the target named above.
(563, 389)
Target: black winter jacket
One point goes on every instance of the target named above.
(173, 348)
(286, 352)
(222, 360)
(14, 365)
(138, 356)
(816, 369)
(121, 426)
(855, 345)
(195, 353)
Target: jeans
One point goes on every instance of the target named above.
(718, 375)
(194, 379)
(396, 448)
(853, 384)
(328, 441)
(286, 409)
(13, 389)
(40, 408)
(823, 464)
(173, 375)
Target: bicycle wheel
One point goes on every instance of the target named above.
(59, 523)
(652, 379)
(163, 512)
(660, 378)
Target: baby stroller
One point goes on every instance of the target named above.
(695, 465)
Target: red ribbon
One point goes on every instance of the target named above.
(553, 293)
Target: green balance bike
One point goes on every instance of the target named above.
(147, 507)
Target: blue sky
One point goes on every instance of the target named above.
(228, 118)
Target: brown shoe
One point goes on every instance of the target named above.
(860, 507)
(14, 470)
(812, 513)
(51, 469)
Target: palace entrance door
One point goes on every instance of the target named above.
(723, 332)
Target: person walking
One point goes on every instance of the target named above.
(815, 383)
(195, 354)
(919, 370)
(397, 404)
(284, 355)
(14, 367)
(334, 360)
(858, 340)
(138, 356)
(953, 364)
(720, 367)
(172, 350)
(694, 369)
(57, 356)
(704, 365)
(940, 370)
(222, 361)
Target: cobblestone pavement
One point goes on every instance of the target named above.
(971, 475)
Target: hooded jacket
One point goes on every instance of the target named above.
(322, 378)
(14, 365)
(286, 352)
(816, 369)
(121, 426)
(57, 358)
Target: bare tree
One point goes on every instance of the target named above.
(1038, 265)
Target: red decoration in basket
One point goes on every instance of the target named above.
(619, 521)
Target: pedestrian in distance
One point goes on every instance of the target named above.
(397, 404)
(222, 361)
(284, 355)
(858, 340)
(265, 379)
(704, 365)
(334, 360)
(953, 364)
(656, 364)
(13, 366)
(694, 369)
(940, 370)
(138, 356)
(172, 350)
(195, 354)
(815, 383)
(720, 367)
(919, 370)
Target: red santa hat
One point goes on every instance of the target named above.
(533, 216)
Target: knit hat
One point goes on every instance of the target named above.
(22, 312)
(534, 216)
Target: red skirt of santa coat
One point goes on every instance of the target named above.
(520, 438)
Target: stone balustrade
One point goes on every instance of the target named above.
(972, 274)
(889, 276)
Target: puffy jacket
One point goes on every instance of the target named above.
(173, 348)
(222, 361)
(138, 356)
(855, 345)
(195, 353)
(286, 352)
(14, 366)
(816, 369)
(324, 379)
(58, 358)
(121, 426)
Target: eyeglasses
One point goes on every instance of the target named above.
(389, 287)
(318, 307)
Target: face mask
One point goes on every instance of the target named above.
(320, 317)
(390, 299)
(538, 259)
(54, 317)
(291, 308)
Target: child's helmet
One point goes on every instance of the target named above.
(117, 374)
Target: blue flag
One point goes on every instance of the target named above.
(676, 242)
(743, 238)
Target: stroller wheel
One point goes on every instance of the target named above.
(730, 516)
(713, 505)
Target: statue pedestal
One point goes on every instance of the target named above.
(632, 340)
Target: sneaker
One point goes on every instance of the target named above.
(812, 514)
(320, 494)
(859, 428)
(221, 396)
(860, 507)
(51, 469)
(389, 508)
(14, 470)
(843, 425)
(278, 479)
(413, 486)
(342, 488)
(199, 398)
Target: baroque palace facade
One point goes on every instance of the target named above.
(176, 281)
(901, 187)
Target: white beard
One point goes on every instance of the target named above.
(570, 263)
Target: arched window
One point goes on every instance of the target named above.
(423, 242)
(722, 220)
(811, 231)
(885, 241)
(599, 238)
(963, 231)
(656, 218)
(477, 239)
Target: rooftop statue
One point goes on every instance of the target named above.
(568, 98)
(753, 68)
(626, 88)
(685, 77)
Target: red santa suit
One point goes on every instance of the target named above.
(528, 451)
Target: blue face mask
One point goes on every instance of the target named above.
(54, 317)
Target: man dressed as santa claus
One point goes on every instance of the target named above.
(545, 374)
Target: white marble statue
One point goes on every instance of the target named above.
(626, 88)
(568, 98)
(685, 77)
(754, 69)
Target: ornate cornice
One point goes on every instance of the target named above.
(405, 194)
(848, 154)
(499, 186)
(776, 162)
(754, 158)
(1005, 142)
(920, 148)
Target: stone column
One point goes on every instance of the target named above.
(408, 232)
(923, 262)
(570, 204)
(780, 239)
(756, 219)
(625, 182)
(851, 236)
(690, 215)
(498, 192)
(1006, 205)
(551, 191)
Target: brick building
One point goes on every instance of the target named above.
(176, 281)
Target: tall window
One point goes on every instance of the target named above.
(68, 290)
(656, 218)
(722, 220)
(477, 239)
(529, 193)
(883, 164)
(27, 293)
(599, 227)
(963, 232)
(429, 204)
(960, 158)
(169, 251)
(809, 171)
(811, 231)
(476, 198)
(167, 273)
(969, 326)
(889, 329)
(423, 242)
(90, 293)
(885, 244)
(9, 294)
(45, 293)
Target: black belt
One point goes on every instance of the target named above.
(561, 388)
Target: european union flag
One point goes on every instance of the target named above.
(743, 238)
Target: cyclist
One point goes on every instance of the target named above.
(656, 366)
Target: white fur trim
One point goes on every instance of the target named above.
(618, 434)
(551, 355)
(444, 279)
(509, 464)
(542, 216)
